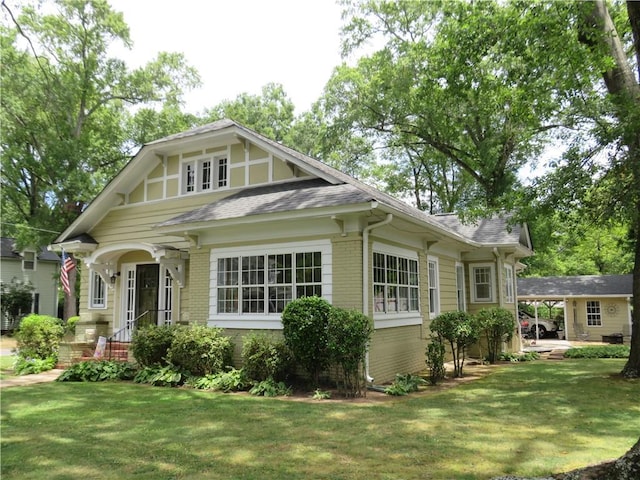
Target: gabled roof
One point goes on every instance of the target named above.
(8, 250)
(487, 231)
(578, 286)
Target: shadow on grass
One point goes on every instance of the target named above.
(528, 419)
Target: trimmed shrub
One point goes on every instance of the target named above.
(498, 326)
(435, 360)
(200, 350)
(151, 344)
(39, 337)
(599, 351)
(70, 325)
(28, 366)
(348, 334)
(304, 323)
(460, 330)
(264, 356)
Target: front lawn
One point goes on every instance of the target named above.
(527, 419)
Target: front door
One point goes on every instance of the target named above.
(146, 298)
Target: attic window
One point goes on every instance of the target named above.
(204, 174)
(28, 260)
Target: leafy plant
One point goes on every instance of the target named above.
(460, 330)
(15, 300)
(265, 356)
(150, 344)
(321, 394)
(160, 376)
(28, 366)
(435, 360)
(348, 334)
(497, 325)
(599, 351)
(304, 323)
(39, 337)
(70, 325)
(518, 357)
(231, 381)
(270, 388)
(404, 385)
(200, 350)
(98, 371)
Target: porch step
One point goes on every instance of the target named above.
(554, 355)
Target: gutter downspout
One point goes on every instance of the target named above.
(365, 279)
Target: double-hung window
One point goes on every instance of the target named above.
(509, 295)
(28, 261)
(460, 293)
(263, 284)
(98, 291)
(395, 283)
(204, 174)
(482, 282)
(594, 314)
(434, 288)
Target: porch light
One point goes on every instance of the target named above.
(114, 276)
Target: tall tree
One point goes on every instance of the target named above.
(63, 107)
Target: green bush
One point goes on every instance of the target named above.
(28, 366)
(70, 325)
(98, 371)
(518, 357)
(404, 384)
(160, 376)
(270, 388)
(304, 323)
(200, 350)
(264, 356)
(151, 344)
(460, 330)
(498, 326)
(348, 334)
(39, 337)
(597, 351)
(435, 360)
(231, 381)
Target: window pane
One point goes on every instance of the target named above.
(379, 299)
(253, 300)
(279, 269)
(253, 270)
(227, 300)
(279, 297)
(414, 303)
(392, 269)
(309, 291)
(403, 299)
(222, 172)
(206, 175)
(228, 271)
(379, 272)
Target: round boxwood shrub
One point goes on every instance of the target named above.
(39, 337)
(265, 356)
(304, 325)
(200, 350)
(151, 344)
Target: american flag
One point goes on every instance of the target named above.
(66, 266)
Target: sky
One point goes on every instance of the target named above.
(238, 46)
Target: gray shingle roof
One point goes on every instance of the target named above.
(8, 250)
(282, 197)
(583, 285)
(494, 230)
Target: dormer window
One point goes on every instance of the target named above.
(29, 261)
(204, 174)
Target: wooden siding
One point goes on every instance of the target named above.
(614, 320)
(347, 272)
(396, 350)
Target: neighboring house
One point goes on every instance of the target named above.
(29, 265)
(595, 306)
(222, 226)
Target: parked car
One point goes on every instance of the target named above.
(528, 325)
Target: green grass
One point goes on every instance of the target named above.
(527, 419)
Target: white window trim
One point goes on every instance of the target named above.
(396, 319)
(492, 284)
(197, 163)
(461, 288)
(35, 261)
(267, 321)
(586, 306)
(434, 310)
(92, 305)
(509, 284)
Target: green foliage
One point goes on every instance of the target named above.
(200, 350)
(497, 325)
(264, 356)
(597, 351)
(435, 360)
(404, 385)
(28, 366)
(98, 371)
(348, 334)
(231, 381)
(304, 323)
(270, 388)
(460, 330)
(150, 344)
(321, 394)
(39, 337)
(70, 325)
(161, 376)
(518, 357)
(15, 300)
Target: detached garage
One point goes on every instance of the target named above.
(596, 307)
